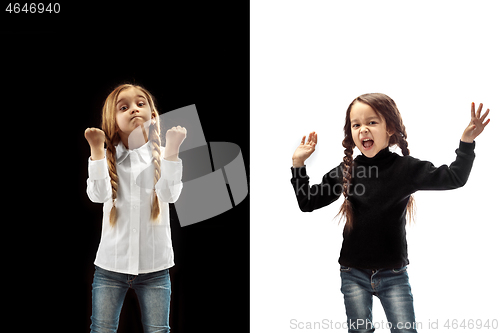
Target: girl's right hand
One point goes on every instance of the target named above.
(305, 149)
(95, 137)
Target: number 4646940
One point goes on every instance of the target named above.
(33, 8)
(471, 324)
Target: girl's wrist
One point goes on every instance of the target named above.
(171, 154)
(96, 153)
(465, 139)
(297, 163)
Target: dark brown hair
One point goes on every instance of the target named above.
(385, 107)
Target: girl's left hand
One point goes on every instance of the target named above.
(175, 136)
(173, 140)
(476, 125)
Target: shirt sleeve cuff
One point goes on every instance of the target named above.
(171, 169)
(467, 147)
(299, 172)
(98, 169)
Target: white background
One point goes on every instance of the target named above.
(309, 60)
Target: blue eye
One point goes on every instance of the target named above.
(123, 108)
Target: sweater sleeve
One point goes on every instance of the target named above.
(316, 196)
(426, 176)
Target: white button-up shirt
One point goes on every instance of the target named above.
(136, 244)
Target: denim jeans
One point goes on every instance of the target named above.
(393, 289)
(108, 293)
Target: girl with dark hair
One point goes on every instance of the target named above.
(378, 189)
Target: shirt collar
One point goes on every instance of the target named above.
(144, 152)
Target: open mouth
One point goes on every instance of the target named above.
(367, 143)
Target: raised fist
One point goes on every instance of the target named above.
(95, 137)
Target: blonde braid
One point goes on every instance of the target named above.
(154, 135)
(111, 157)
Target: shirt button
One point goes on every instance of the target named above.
(134, 230)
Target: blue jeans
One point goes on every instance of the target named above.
(108, 293)
(393, 289)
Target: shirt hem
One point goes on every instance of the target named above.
(134, 273)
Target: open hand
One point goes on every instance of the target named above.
(305, 149)
(476, 125)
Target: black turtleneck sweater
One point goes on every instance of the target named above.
(380, 189)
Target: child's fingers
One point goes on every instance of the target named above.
(89, 131)
(303, 140)
(479, 109)
(313, 136)
(484, 115)
(309, 139)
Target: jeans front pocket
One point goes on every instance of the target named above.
(399, 270)
(345, 268)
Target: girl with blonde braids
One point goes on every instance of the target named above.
(378, 189)
(135, 178)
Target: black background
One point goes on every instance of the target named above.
(57, 70)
